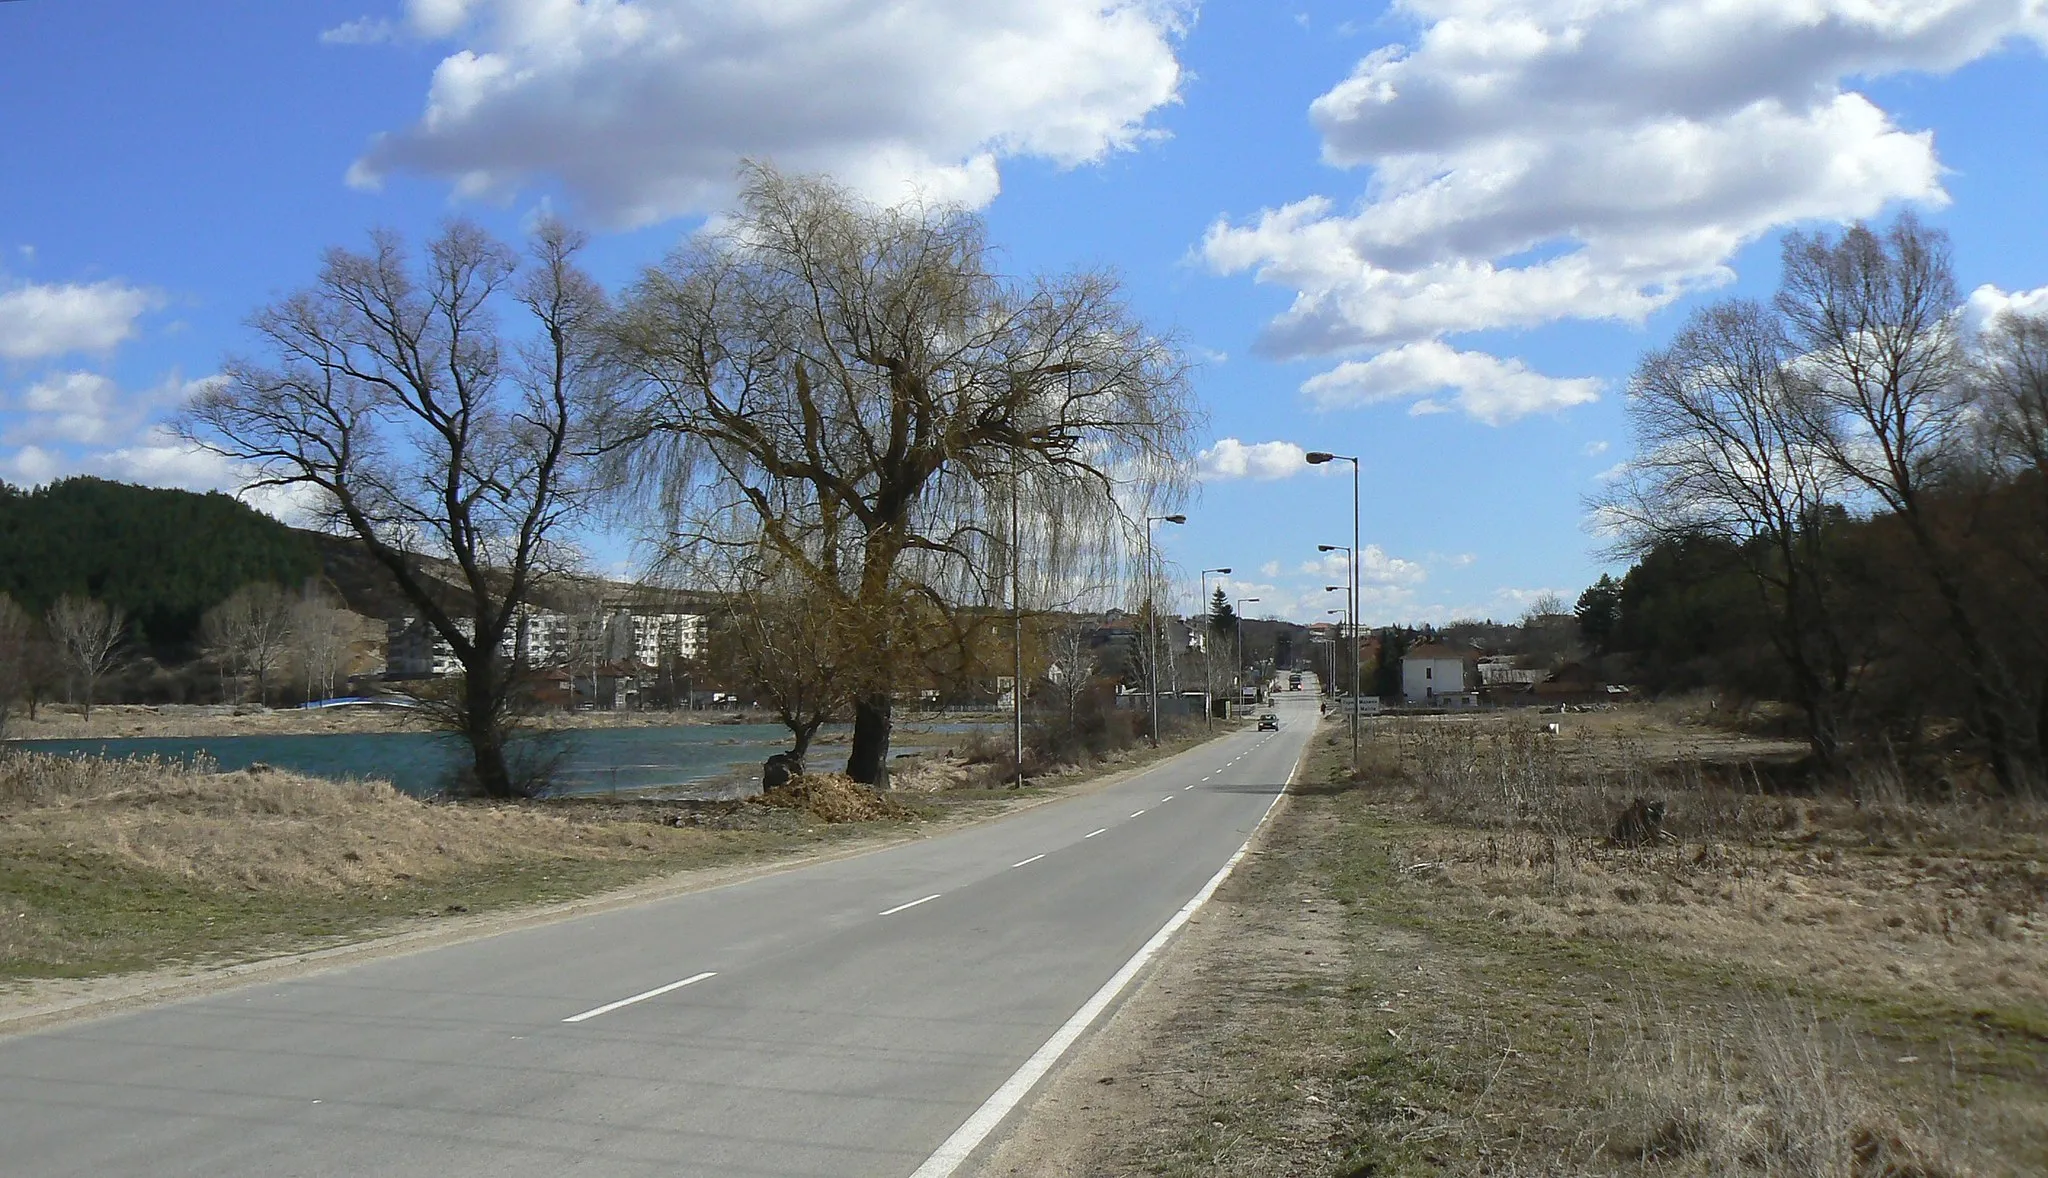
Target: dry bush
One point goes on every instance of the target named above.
(266, 829)
(1770, 1090)
(834, 797)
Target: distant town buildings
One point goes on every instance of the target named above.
(548, 638)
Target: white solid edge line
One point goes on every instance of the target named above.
(1028, 862)
(1091, 834)
(957, 1148)
(657, 992)
(912, 904)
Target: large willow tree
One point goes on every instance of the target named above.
(858, 393)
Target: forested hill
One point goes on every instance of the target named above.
(164, 556)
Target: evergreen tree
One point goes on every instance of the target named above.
(1222, 618)
(162, 557)
(1598, 611)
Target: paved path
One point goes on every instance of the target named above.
(840, 1020)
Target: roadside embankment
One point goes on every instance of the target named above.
(1468, 962)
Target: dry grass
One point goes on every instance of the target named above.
(269, 829)
(1849, 984)
(108, 865)
(1918, 901)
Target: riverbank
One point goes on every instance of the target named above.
(134, 876)
(1453, 967)
(192, 721)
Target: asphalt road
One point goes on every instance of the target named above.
(840, 1020)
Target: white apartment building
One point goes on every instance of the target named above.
(545, 638)
(674, 636)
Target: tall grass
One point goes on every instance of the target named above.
(1570, 788)
(33, 781)
(1769, 1089)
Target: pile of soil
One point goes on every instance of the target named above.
(834, 797)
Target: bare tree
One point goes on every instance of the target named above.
(421, 425)
(322, 637)
(1723, 448)
(1882, 369)
(250, 633)
(88, 635)
(865, 388)
(788, 643)
(2012, 381)
(1070, 667)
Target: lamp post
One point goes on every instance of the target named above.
(1237, 673)
(1152, 625)
(1318, 458)
(1208, 655)
(1350, 622)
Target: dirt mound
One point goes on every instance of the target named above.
(833, 797)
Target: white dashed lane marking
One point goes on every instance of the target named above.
(1028, 862)
(912, 904)
(657, 992)
(1091, 834)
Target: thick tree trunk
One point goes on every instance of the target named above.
(800, 736)
(485, 731)
(868, 763)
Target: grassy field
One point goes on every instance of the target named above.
(1449, 967)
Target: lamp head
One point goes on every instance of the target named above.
(1336, 588)
(1174, 519)
(1318, 457)
(1219, 570)
(1331, 548)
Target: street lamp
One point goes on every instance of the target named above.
(1152, 626)
(1350, 620)
(1237, 672)
(1209, 635)
(1318, 458)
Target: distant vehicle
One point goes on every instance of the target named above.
(1269, 722)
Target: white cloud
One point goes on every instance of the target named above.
(1539, 160)
(364, 30)
(39, 322)
(1987, 303)
(1263, 461)
(1376, 567)
(643, 108)
(79, 407)
(1595, 449)
(1486, 388)
(88, 409)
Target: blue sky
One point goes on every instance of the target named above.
(1436, 234)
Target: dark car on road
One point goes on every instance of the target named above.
(1269, 723)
